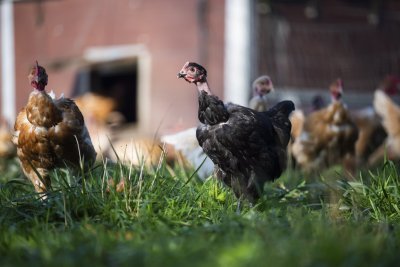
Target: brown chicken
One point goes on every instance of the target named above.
(100, 108)
(101, 120)
(136, 151)
(297, 119)
(7, 148)
(327, 136)
(50, 133)
(298, 116)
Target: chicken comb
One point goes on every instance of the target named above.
(37, 68)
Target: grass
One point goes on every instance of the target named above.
(164, 216)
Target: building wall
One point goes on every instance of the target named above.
(60, 31)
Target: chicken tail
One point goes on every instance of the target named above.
(381, 102)
(297, 119)
(279, 115)
(388, 110)
(283, 108)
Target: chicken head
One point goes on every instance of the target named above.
(38, 77)
(193, 72)
(336, 89)
(263, 85)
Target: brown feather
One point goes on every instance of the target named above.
(327, 137)
(49, 134)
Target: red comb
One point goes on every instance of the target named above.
(37, 68)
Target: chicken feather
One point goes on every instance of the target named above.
(327, 136)
(50, 133)
(390, 114)
(247, 147)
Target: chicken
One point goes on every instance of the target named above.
(50, 133)
(328, 135)
(185, 142)
(247, 147)
(297, 117)
(370, 146)
(317, 102)
(187, 146)
(7, 147)
(371, 135)
(99, 107)
(390, 114)
(137, 151)
(101, 120)
(262, 86)
(110, 140)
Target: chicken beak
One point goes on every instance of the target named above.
(181, 75)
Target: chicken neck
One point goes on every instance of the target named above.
(41, 110)
(211, 110)
(202, 86)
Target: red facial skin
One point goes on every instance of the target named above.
(38, 77)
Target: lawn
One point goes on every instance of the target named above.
(165, 216)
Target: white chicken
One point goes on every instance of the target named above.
(370, 147)
(186, 143)
(390, 114)
(262, 86)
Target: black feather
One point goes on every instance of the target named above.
(211, 109)
(247, 147)
(199, 67)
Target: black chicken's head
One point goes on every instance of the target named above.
(317, 103)
(263, 85)
(38, 77)
(193, 72)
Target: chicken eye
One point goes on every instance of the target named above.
(192, 69)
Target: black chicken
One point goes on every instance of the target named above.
(247, 147)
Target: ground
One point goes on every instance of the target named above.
(164, 216)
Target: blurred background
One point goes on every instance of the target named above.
(127, 52)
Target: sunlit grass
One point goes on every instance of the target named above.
(165, 216)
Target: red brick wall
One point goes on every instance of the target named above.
(63, 29)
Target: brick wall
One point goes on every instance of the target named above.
(61, 30)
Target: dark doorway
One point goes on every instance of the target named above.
(117, 80)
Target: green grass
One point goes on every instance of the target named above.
(166, 217)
